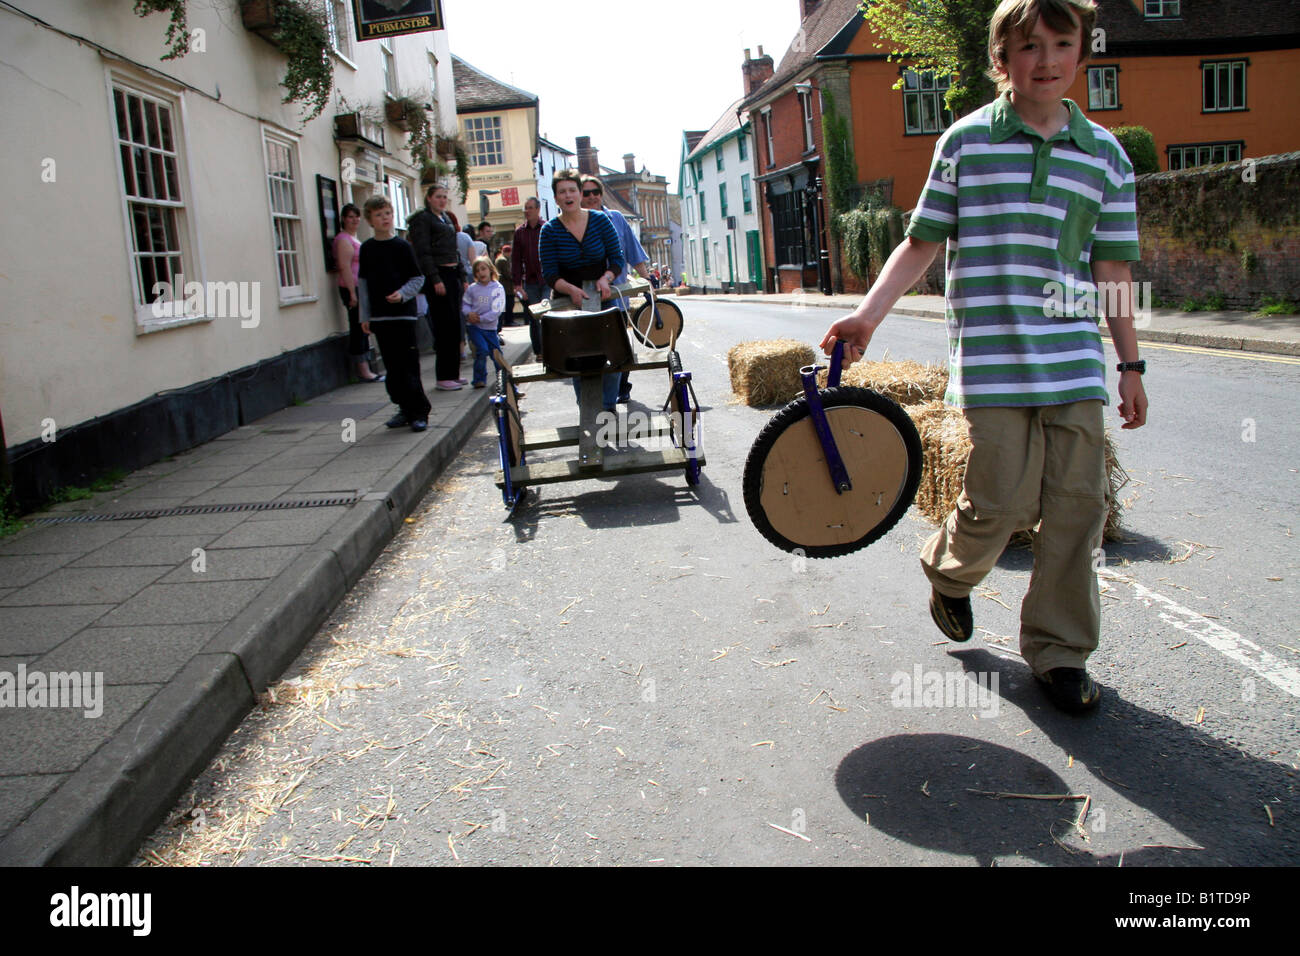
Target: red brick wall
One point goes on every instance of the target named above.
(1209, 230)
(788, 149)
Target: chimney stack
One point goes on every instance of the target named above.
(588, 158)
(756, 72)
(629, 162)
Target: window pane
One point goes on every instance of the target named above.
(1239, 86)
(912, 113)
(141, 157)
(929, 121)
(927, 80)
(910, 80)
(1202, 155)
(1224, 100)
(165, 118)
(128, 169)
(1094, 89)
(137, 120)
(119, 106)
(1110, 81)
(151, 124)
(1207, 87)
(173, 180)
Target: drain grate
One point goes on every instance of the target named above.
(202, 510)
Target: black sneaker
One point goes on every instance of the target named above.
(420, 425)
(952, 615)
(1070, 689)
(397, 421)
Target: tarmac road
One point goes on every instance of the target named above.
(627, 673)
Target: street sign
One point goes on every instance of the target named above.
(381, 19)
(510, 196)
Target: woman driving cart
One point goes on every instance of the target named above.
(580, 255)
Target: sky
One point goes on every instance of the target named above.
(631, 76)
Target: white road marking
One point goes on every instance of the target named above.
(1228, 643)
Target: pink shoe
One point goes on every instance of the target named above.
(463, 381)
(448, 385)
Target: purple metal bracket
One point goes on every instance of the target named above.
(839, 475)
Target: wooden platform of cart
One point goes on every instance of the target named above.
(592, 460)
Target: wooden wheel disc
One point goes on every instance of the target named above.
(672, 319)
(797, 496)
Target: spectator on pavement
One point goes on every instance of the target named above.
(526, 269)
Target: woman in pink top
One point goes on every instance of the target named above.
(347, 253)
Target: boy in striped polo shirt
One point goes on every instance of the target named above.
(1036, 205)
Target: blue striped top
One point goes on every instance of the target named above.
(560, 253)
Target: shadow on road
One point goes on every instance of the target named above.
(1211, 794)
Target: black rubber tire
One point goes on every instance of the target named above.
(795, 412)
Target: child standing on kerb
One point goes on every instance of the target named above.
(1030, 197)
(485, 299)
(390, 277)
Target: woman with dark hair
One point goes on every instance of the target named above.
(347, 253)
(580, 255)
(433, 236)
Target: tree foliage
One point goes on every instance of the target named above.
(1140, 146)
(949, 37)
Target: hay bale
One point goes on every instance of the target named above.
(945, 449)
(908, 383)
(767, 372)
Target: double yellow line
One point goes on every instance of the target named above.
(1223, 353)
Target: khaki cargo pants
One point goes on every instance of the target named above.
(1030, 464)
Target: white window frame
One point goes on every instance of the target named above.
(805, 107)
(398, 190)
(1203, 154)
(1229, 67)
(473, 141)
(389, 66)
(766, 115)
(926, 87)
(293, 263)
(339, 21)
(1099, 100)
(1161, 9)
(433, 90)
(188, 248)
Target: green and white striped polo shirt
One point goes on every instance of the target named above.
(1024, 218)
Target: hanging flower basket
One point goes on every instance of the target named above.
(258, 15)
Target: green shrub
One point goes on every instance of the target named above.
(1140, 146)
(1278, 305)
(870, 234)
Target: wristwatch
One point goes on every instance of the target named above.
(1140, 366)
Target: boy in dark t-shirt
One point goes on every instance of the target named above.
(390, 278)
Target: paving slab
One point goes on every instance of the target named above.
(60, 739)
(144, 654)
(193, 603)
(35, 630)
(134, 549)
(66, 538)
(235, 564)
(104, 585)
(19, 570)
(18, 795)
